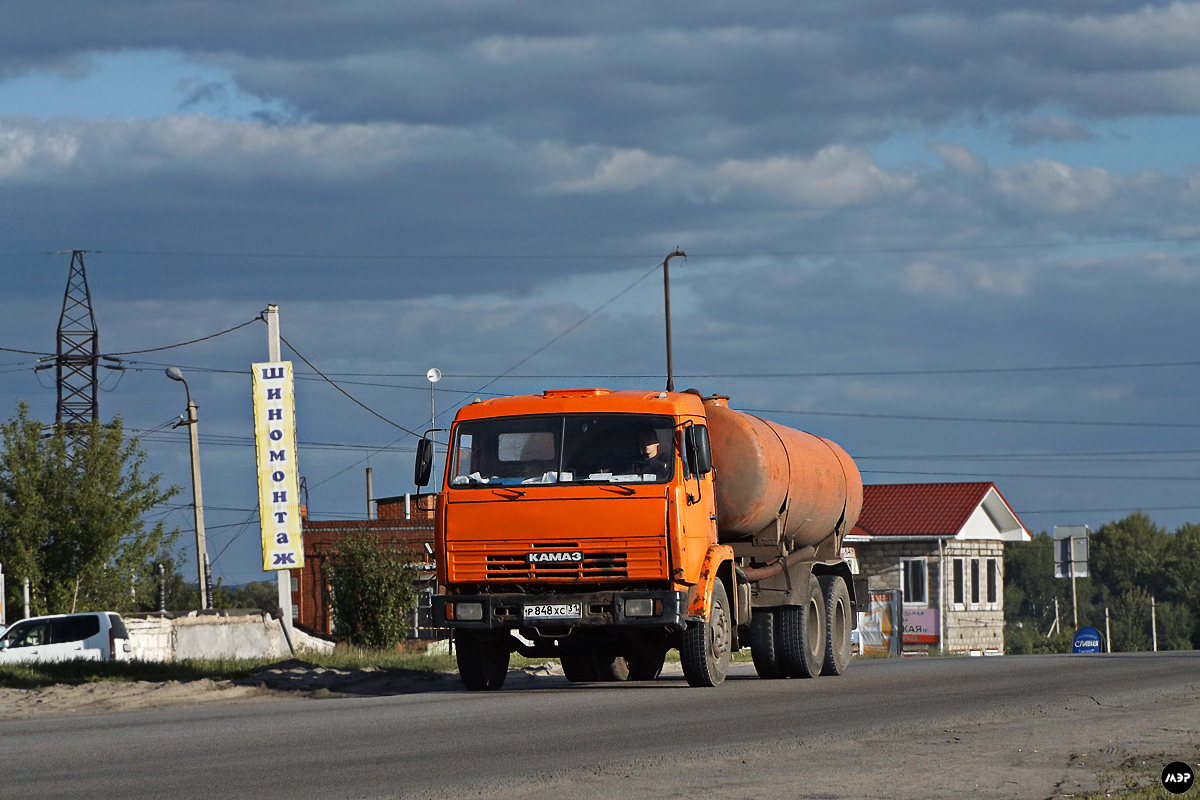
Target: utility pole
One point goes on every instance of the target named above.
(370, 494)
(284, 575)
(78, 352)
(667, 313)
(1153, 623)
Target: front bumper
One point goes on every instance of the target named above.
(596, 609)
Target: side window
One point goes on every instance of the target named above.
(31, 634)
(993, 583)
(74, 629)
(960, 588)
(913, 577)
(463, 465)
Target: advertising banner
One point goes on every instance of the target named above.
(921, 626)
(877, 629)
(278, 472)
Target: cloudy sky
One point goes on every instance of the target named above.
(960, 239)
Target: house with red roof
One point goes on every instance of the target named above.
(942, 546)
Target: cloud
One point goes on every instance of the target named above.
(836, 176)
(716, 83)
(1048, 128)
(1045, 185)
(958, 157)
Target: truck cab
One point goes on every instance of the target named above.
(581, 519)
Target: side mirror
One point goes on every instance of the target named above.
(424, 462)
(703, 450)
(697, 453)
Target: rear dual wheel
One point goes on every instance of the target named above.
(837, 624)
(583, 666)
(800, 634)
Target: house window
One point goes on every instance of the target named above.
(960, 583)
(993, 573)
(913, 574)
(974, 581)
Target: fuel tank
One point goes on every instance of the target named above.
(774, 482)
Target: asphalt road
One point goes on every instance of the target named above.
(454, 743)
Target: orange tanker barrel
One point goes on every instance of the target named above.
(760, 465)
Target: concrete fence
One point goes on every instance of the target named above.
(156, 638)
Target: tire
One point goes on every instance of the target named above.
(482, 659)
(707, 645)
(837, 624)
(646, 666)
(800, 635)
(578, 666)
(610, 668)
(762, 645)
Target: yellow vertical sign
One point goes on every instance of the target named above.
(278, 472)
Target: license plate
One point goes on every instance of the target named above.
(554, 611)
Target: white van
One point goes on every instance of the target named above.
(94, 635)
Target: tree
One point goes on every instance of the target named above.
(71, 517)
(1128, 555)
(371, 590)
(263, 595)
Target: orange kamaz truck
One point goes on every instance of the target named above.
(605, 528)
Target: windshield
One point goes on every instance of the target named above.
(572, 448)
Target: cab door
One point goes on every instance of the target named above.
(694, 507)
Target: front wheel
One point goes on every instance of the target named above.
(707, 645)
(482, 660)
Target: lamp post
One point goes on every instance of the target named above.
(197, 496)
(667, 313)
(433, 376)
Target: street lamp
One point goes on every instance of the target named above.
(667, 313)
(433, 376)
(197, 496)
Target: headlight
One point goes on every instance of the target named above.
(639, 608)
(468, 611)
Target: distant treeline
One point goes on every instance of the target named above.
(1131, 561)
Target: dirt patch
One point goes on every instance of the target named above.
(124, 696)
(284, 680)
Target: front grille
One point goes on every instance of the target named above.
(595, 566)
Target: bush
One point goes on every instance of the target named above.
(371, 592)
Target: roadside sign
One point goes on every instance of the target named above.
(1071, 551)
(1087, 640)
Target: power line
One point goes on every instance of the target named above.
(1109, 510)
(842, 374)
(993, 475)
(584, 319)
(347, 394)
(973, 419)
(192, 341)
(918, 248)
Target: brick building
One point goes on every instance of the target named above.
(942, 545)
(309, 606)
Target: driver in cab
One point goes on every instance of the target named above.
(649, 458)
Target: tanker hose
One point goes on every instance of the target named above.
(756, 574)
